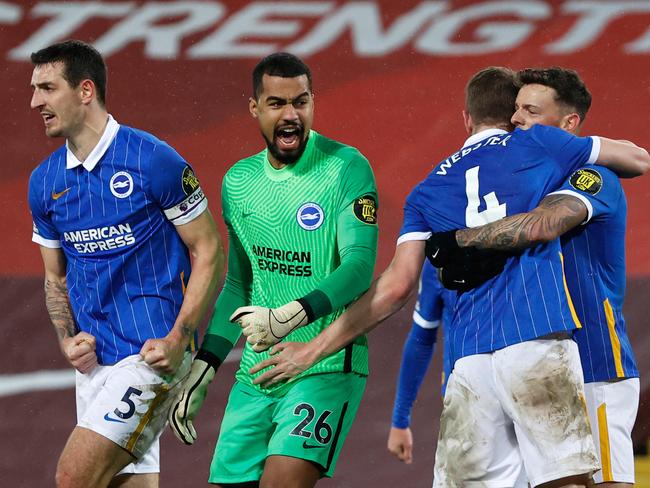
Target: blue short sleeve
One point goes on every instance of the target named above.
(414, 226)
(43, 231)
(597, 187)
(175, 187)
(568, 151)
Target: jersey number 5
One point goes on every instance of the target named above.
(493, 209)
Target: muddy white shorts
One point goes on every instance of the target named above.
(128, 403)
(612, 408)
(521, 403)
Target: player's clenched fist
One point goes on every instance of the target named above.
(164, 355)
(80, 351)
(264, 327)
(189, 401)
(400, 444)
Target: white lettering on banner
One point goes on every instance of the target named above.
(227, 42)
(66, 18)
(258, 28)
(640, 46)
(9, 14)
(364, 21)
(161, 41)
(499, 36)
(592, 21)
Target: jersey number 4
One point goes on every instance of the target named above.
(493, 209)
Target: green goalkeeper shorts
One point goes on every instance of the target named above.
(311, 422)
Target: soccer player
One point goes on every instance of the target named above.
(433, 308)
(589, 210)
(116, 213)
(302, 229)
(515, 391)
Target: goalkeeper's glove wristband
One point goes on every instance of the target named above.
(189, 400)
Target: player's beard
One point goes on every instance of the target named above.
(287, 157)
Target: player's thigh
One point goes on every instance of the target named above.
(612, 408)
(289, 472)
(89, 459)
(476, 444)
(244, 436)
(127, 403)
(540, 385)
(314, 417)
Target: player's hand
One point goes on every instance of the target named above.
(264, 327)
(442, 248)
(477, 268)
(80, 351)
(164, 355)
(287, 360)
(189, 400)
(400, 444)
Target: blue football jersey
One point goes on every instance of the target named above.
(594, 263)
(493, 175)
(434, 307)
(113, 216)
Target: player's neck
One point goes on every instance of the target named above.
(482, 127)
(84, 141)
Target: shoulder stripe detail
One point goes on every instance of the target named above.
(582, 198)
(49, 243)
(413, 236)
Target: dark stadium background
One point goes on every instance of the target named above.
(398, 102)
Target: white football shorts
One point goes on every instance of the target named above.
(521, 403)
(127, 403)
(612, 408)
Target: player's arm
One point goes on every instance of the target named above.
(555, 215)
(623, 157)
(204, 244)
(416, 358)
(386, 295)
(219, 340)
(356, 234)
(78, 348)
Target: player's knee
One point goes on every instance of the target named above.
(65, 477)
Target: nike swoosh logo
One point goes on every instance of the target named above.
(246, 214)
(111, 419)
(56, 196)
(436, 254)
(309, 446)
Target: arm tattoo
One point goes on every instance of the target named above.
(58, 306)
(554, 216)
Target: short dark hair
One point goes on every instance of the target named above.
(490, 95)
(569, 87)
(80, 61)
(285, 65)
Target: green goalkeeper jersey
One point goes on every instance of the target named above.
(308, 230)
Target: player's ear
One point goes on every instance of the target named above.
(467, 121)
(570, 122)
(252, 107)
(87, 91)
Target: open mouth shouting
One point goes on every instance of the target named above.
(288, 138)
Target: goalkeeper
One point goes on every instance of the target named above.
(302, 226)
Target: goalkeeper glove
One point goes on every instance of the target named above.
(189, 400)
(264, 327)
